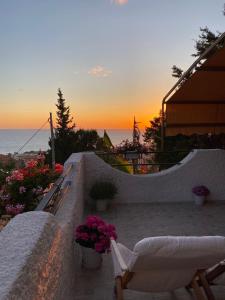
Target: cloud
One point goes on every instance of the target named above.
(99, 71)
(120, 2)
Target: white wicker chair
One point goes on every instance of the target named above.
(159, 264)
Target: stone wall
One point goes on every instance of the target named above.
(200, 167)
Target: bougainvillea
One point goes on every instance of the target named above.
(95, 234)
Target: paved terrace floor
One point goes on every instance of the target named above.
(136, 221)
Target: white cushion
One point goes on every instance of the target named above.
(170, 262)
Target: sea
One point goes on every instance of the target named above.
(25, 140)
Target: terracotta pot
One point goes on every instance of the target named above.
(91, 259)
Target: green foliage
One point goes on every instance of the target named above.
(67, 140)
(103, 190)
(176, 71)
(64, 121)
(86, 140)
(117, 160)
(206, 38)
(5, 169)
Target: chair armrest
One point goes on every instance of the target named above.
(118, 256)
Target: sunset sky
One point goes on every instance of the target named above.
(111, 58)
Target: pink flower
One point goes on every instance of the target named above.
(84, 236)
(95, 234)
(31, 164)
(16, 175)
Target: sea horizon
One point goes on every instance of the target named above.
(12, 140)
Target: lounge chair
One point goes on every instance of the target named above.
(163, 264)
(212, 276)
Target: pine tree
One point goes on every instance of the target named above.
(65, 136)
(65, 123)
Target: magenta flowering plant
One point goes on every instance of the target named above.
(200, 190)
(95, 233)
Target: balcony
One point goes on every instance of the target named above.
(39, 259)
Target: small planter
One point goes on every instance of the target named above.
(91, 259)
(101, 204)
(200, 200)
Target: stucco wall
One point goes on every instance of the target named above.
(37, 258)
(200, 167)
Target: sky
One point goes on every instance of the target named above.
(112, 59)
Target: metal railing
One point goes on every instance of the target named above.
(134, 161)
(53, 199)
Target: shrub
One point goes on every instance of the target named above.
(103, 190)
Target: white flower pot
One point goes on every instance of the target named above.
(101, 205)
(199, 200)
(91, 259)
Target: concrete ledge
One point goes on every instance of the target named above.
(29, 257)
(200, 167)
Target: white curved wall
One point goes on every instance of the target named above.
(200, 167)
(37, 259)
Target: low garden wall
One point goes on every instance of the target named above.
(200, 167)
(37, 258)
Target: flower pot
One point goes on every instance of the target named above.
(200, 200)
(91, 259)
(101, 204)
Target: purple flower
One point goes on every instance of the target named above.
(200, 190)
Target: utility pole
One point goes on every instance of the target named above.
(52, 141)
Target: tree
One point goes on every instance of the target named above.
(87, 140)
(65, 136)
(205, 40)
(65, 123)
(152, 134)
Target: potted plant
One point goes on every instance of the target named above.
(200, 192)
(94, 237)
(102, 192)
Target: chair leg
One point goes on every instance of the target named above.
(206, 287)
(197, 290)
(118, 288)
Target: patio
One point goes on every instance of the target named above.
(39, 247)
(136, 221)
